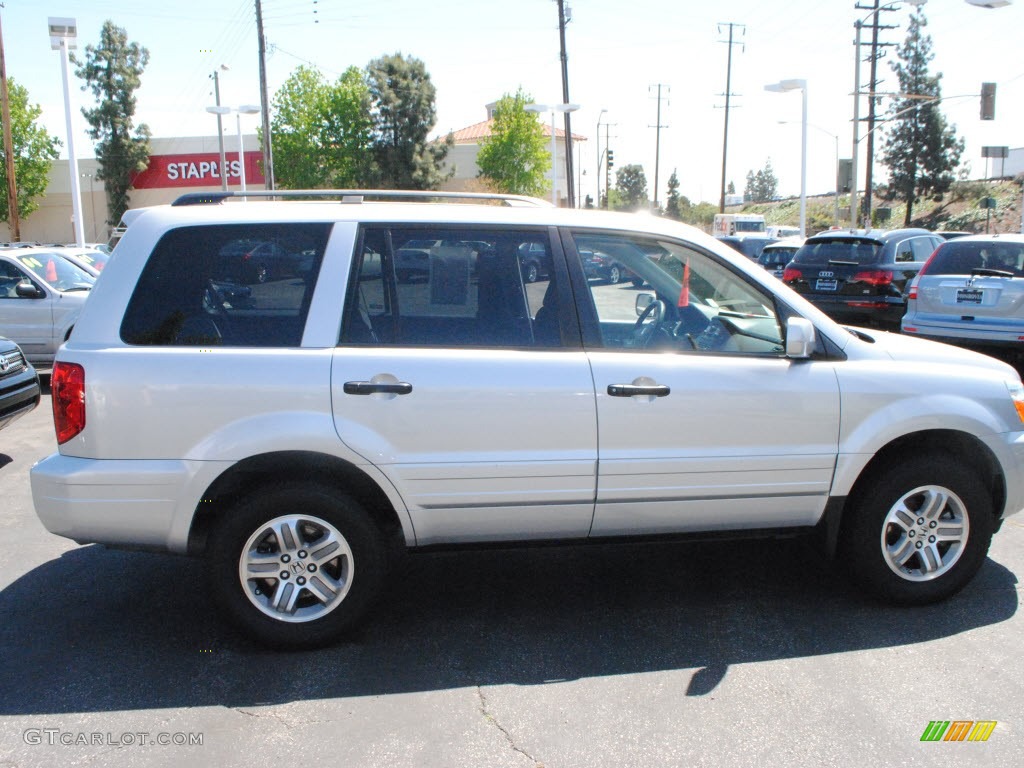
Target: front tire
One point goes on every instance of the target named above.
(918, 532)
(296, 565)
(614, 274)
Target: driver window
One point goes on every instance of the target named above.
(666, 296)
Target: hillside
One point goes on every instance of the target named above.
(959, 210)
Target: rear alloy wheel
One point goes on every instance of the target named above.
(919, 532)
(614, 274)
(296, 565)
(532, 273)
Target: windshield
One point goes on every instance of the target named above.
(57, 272)
(831, 250)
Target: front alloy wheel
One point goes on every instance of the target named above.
(918, 531)
(925, 533)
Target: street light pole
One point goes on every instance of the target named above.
(597, 202)
(801, 85)
(220, 126)
(64, 36)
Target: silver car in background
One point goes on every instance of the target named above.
(971, 293)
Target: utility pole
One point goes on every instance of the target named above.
(872, 99)
(268, 149)
(569, 186)
(14, 223)
(728, 94)
(657, 141)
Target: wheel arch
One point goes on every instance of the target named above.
(255, 472)
(960, 446)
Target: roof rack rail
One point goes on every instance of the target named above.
(359, 196)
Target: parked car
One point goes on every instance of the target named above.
(749, 245)
(860, 276)
(19, 383)
(41, 295)
(302, 442)
(248, 261)
(971, 292)
(92, 260)
(775, 256)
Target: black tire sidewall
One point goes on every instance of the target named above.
(243, 519)
(860, 545)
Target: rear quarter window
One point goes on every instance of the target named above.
(228, 285)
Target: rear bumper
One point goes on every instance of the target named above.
(966, 336)
(881, 310)
(136, 504)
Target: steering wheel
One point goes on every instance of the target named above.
(643, 333)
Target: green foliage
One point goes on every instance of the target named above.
(631, 184)
(674, 200)
(113, 71)
(762, 186)
(921, 150)
(322, 131)
(515, 158)
(700, 215)
(34, 153)
(403, 114)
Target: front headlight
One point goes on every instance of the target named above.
(1017, 396)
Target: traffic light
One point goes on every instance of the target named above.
(988, 101)
(845, 176)
(611, 159)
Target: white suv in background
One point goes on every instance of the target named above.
(298, 432)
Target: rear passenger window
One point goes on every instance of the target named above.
(233, 285)
(432, 287)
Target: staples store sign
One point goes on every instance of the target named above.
(197, 170)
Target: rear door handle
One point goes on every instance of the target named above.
(372, 388)
(631, 390)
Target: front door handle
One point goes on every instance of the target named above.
(373, 387)
(631, 390)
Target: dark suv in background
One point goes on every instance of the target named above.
(861, 276)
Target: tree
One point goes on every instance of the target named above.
(731, 189)
(515, 158)
(921, 150)
(322, 131)
(673, 199)
(763, 186)
(631, 184)
(113, 71)
(34, 153)
(403, 114)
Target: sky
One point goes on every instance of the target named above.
(618, 53)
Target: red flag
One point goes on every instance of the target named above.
(684, 294)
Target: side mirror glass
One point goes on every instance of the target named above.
(643, 301)
(799, 338)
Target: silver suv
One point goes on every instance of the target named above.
(298, 433)
(971, 293)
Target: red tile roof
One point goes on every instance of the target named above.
(474, 134)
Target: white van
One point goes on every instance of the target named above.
(726, 224)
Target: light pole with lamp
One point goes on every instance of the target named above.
(600, 158)
(63, 37)
(835, 215)
(801, 85)
(220, 124)
(553, 109)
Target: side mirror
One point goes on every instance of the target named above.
(643, 301)
(799, 338)
(26, 289)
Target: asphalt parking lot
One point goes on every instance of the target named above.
(711, 654)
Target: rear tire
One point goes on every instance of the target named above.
(296, 565)
(919, 532)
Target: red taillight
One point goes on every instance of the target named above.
(790, 274)
(67, 385)
(873, 277)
